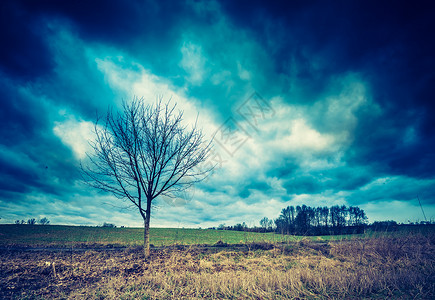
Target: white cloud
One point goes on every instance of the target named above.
(378, 182)
(327, 198)
(119, 76)
(132, 80)
(305, 138)
(337, 111)
(243, 73)
(223, 79)
(193, 62)
(76, 135)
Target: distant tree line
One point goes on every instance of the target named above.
(384, 225)
(390, 225)
(33, 221)
(111, 225)
(306, 220)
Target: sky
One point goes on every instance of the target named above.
(319, 103)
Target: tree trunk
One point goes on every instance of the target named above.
(146, 245)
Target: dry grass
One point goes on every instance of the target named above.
(379, 268)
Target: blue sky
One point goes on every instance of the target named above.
(326, 103)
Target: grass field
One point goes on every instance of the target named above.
(397, 265)
(38, 235)
(385, 267)
(60, 235)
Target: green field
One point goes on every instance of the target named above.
(70, 235)
(60, 235)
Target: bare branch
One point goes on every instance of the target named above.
(144, 152)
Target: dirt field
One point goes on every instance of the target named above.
(380, 268)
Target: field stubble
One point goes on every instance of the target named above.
(384, 267)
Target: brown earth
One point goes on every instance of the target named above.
(401, 268)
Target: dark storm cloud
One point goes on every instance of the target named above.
(32, 167)
(387, 42)
(44, 68)
(106, 20)
(62, 61)
(146, 29)
(23, 54)
(31, 158)
(396, 147)
(16, 176)
(116, 21)
(17, 123)
(351, 34)
(338, 179)
(253, 185)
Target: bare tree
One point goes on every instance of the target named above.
(44, 221)
(266, 224)
(145, 152)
